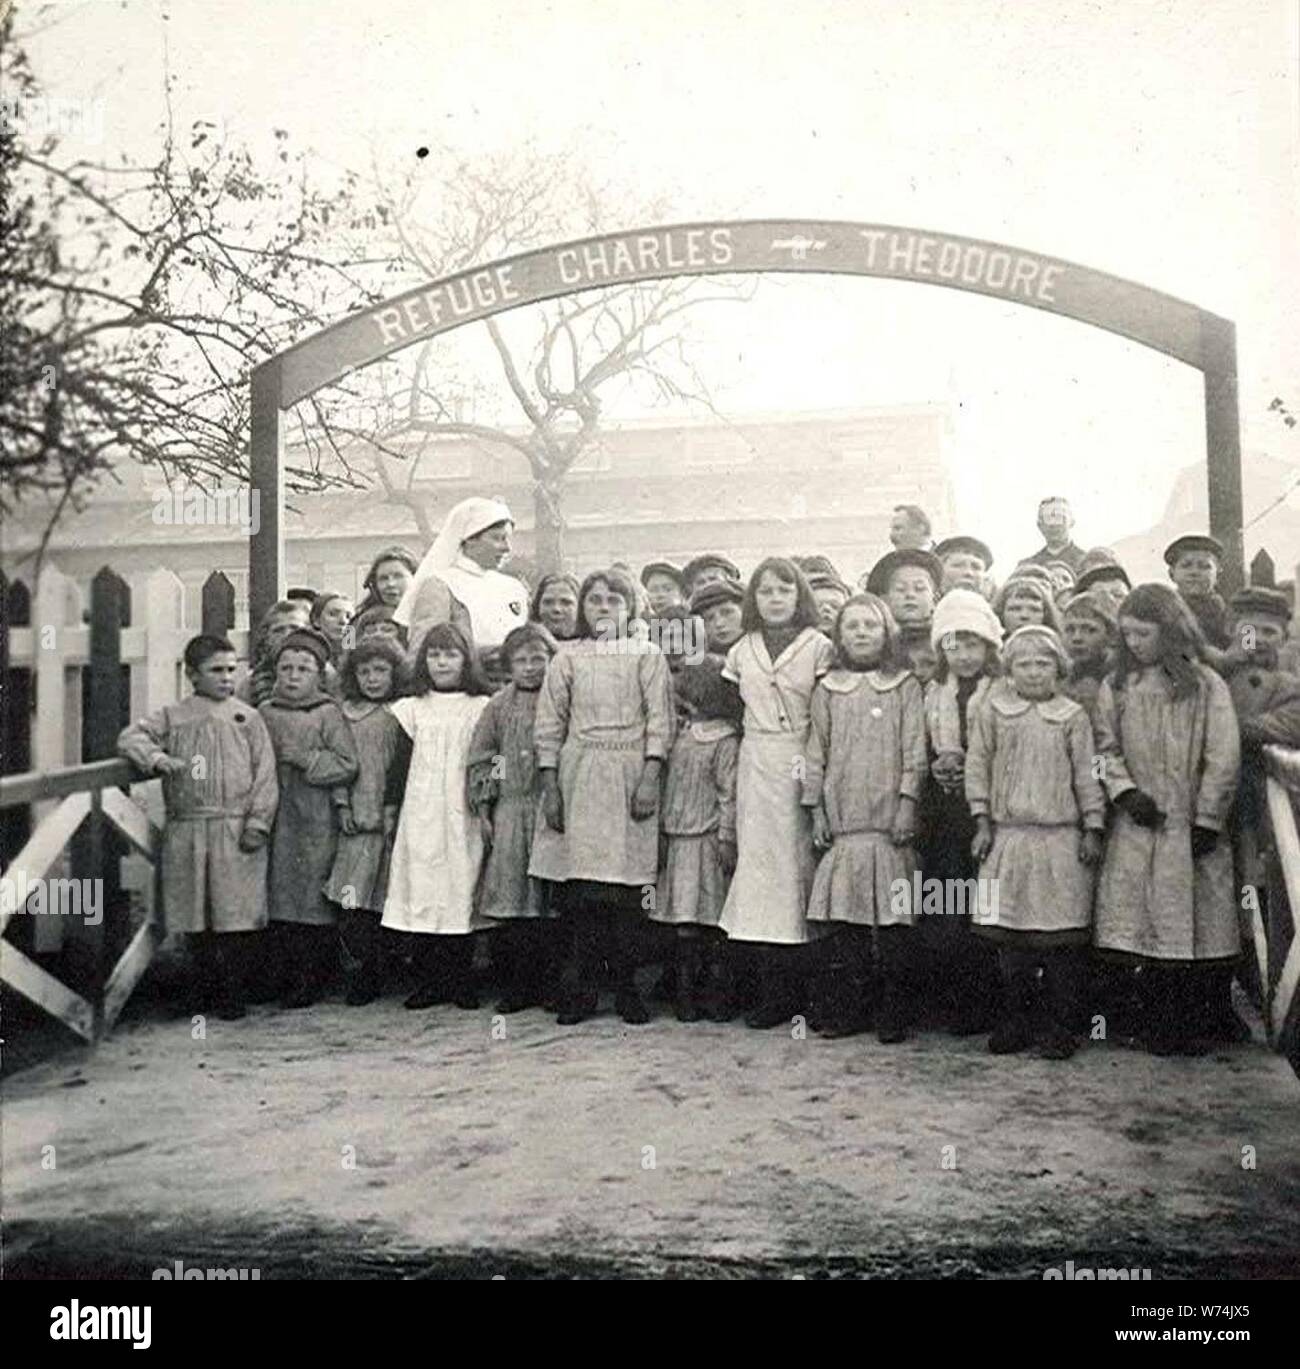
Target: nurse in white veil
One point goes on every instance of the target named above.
(458, 580)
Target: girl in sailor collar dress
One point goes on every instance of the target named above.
(1039, 815)
(865, 762)
(777, 664)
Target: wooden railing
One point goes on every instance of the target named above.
(87, 801)
(1277, 935)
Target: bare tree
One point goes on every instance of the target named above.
(138, 296)
(634, 334)
(144, 294)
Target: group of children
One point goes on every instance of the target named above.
(836, 804)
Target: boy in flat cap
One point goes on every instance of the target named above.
(966, 561)
(1266, 695)
(1194, 562)
(1088, 627)
(664, 586)
(719, 604)
(711, 568)
(1108, 579)
(831, 594)
(908, 581)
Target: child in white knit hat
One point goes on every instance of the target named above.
(963, 975)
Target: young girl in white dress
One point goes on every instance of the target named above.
(777, 665)
(439, 844)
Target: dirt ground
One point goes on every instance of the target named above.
(377, 1142)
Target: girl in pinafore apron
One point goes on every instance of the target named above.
(777, 664)
(1039, 816)
(865, 764)
(603, 731)
(367, 810)
(505, 792)
(1167, 731)
(962, 970)
(439, 845)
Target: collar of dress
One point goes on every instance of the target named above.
(301, 705)
(759, 647)
(354, 710)
(850, 681)
(1057, 709)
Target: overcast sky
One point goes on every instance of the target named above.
(1154, 139)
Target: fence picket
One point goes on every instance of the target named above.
(218, 598)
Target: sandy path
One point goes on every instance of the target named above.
(530, 1153)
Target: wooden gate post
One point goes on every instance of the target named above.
(97, 849)
(266, 476)
(1223, 448)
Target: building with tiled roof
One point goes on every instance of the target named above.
(647, 490)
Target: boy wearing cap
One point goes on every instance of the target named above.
(908, 581)
(664, 586)
(831, 594)
(1266, 695)
(1088, 627)
(1109, 580)
(719, 604)
(1194, 563)
(314, 755)
(709, 569)
(966, 561)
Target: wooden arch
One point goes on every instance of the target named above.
(1173, 326)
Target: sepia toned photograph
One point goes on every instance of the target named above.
(650, 642)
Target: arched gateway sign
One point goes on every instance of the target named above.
(1156, 320)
